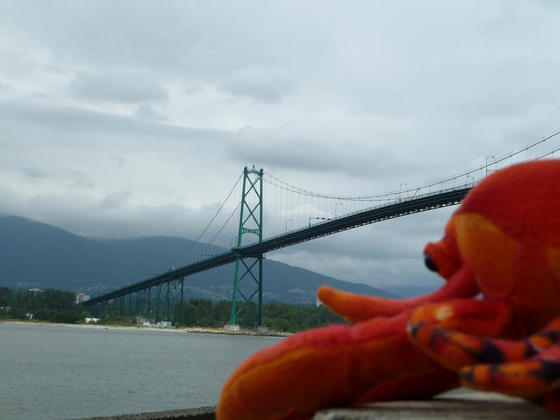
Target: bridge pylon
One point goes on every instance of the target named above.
(247, 283)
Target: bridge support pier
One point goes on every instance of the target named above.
(182, 303)
(250, 267)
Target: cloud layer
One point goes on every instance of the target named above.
(135, 118)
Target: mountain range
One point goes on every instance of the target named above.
(38, 255)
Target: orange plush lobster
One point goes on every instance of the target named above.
(503, 243)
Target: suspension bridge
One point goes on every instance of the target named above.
(311, 216)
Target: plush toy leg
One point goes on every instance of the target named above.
(357, 308)
(412, 387)
(319, 368)
(529, 378)
(527, 374)
(429, 324)
(528, 368)
(455, 349)
(551, 401)
(296, 416)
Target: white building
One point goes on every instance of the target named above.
(91, 320)
(81, 297)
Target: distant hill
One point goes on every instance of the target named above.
(35, 254)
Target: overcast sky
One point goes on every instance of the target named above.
(134, 118)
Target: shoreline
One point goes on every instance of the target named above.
(153, 328)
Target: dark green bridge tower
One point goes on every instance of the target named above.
(247, 284)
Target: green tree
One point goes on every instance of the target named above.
(6, 297)
(49, 305)
(277, 316)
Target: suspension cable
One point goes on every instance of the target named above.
(215, 215)
(220, 209)
(225, 223)
(386, 195)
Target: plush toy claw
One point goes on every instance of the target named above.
(502, 243)
(528, 368)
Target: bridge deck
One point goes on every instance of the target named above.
(373, 215)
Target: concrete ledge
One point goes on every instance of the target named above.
(442, 409)
(461, 404)
(202, 413)
(454, 405)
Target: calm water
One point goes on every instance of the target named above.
(59, 372)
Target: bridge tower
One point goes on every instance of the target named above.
(247, 283)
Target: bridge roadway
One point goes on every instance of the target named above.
(350, 221)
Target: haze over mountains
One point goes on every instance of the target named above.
(39, 255)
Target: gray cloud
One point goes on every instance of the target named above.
(114, 200)
(34, 172)
(134, 118)
(147, 112)
(261, 84)
(126, 86)
(306, 153)
(21, 119)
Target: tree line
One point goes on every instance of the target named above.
(205, 313)
(54, 305)
(50, 305)
(276, 316)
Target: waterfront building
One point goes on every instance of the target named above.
(81, 297)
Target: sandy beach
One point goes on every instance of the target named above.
(155, 328)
